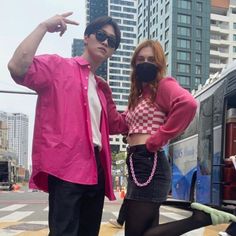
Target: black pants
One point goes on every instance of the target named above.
(231, 230)
(75, 209)
(122, 213)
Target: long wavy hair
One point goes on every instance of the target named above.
(136, 86)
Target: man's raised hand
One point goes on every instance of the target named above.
(58, 23)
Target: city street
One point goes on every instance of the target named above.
(25, 213)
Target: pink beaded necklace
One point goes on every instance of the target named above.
(151, 175)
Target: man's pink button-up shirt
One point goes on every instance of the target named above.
(62, 144)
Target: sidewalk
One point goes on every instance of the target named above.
(108, 230)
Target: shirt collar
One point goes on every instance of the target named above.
(83, 62)
(80, 60)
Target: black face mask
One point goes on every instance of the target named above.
(146, 72)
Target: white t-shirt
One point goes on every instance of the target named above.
(95, 110)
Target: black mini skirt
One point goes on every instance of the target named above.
(158, 188)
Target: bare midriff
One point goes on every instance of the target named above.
(137, 139)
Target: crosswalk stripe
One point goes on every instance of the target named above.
(172, 209)
(13, 207)
(173, 216)
(16, 216)
(37, 222)
(7, 232)
(45, 209)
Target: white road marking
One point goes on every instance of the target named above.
(38, 222)
(173, 216)
(15, 216)
(7, 232)
(12, 207)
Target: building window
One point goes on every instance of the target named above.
(199, 6)
(234, 37)
(185, 56)
(234, 25)
(167, 22)
(167, 57)
(116, 84)
(167, 34)
(198, 70)
(197, 81)
(199, 21)
(199, 45)
(234, 48)
(184, 4)
(167, 7)
(184, 19)
(183, 43)
(198, 33)
(183, 80)
(166, 46)
(183, 68)
(198, 57)
(184, 31)
(115, 8)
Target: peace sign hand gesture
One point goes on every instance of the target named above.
(58, 23)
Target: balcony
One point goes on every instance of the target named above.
(219, 53)
(219, 29)
(220, 42)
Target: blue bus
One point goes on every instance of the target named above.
(200, 162)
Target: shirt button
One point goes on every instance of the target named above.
(85, 88)
(89, 66)
(86, 77)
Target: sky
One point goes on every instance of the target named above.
(20, 18)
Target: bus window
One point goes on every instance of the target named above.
(218, 107)
(205, 145)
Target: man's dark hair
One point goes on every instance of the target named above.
(100, 22)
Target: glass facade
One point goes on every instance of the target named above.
(183, 29)
(97, 9)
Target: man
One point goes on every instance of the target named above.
(71, 155)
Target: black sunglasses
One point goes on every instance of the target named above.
(101, 36)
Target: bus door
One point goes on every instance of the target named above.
(229, 171)
(216, 171)
(205, 150)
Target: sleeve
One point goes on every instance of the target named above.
(180, 107)
(116, 120)
(41, 72)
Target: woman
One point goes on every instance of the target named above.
(159, 109)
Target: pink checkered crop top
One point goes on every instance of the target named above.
(146, 118)
(170, 114)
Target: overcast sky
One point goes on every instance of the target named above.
(18, 18)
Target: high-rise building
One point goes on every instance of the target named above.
(95, 9)
(18, 125)
(124, 12)
(3, 133)
(183, 29)
(77, 47)
(223, 34)
(3, 136)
